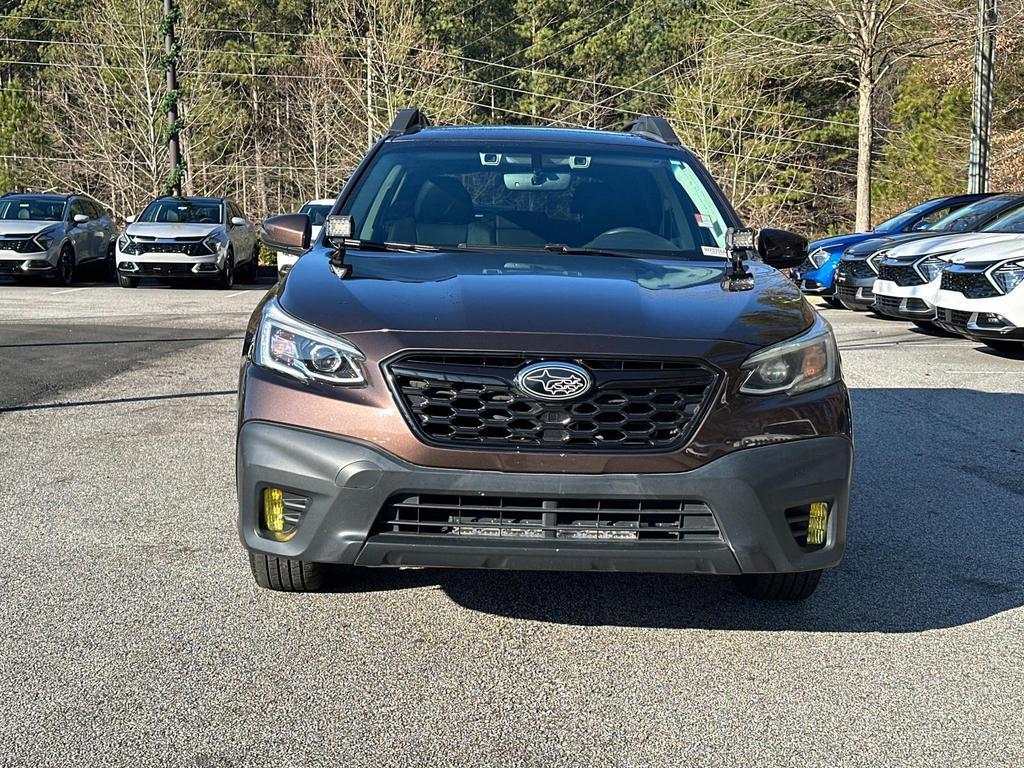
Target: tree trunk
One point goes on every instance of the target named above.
(865, 128)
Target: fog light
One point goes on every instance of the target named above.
(282, 513)
(273, 510)
(817, 523)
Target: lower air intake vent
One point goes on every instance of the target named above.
(539, 518)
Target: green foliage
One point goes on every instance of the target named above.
(20, 134)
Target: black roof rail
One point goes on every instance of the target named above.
(652, 127)
(408, 121)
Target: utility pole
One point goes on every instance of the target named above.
(171, 51)
(984, 85)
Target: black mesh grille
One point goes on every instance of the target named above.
(7, 266)
(953, 317)
(163, 268)
(192, 248)
(846, 292)
(19, 245)
(901, 275)
(528, 517)
(855, 269)
(471, 400)
(973, 285)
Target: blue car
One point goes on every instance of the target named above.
(817, 274)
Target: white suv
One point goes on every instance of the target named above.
(188, 237)
(981, 297)
(49, 235)
(317, 210)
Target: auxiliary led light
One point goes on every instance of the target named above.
(273, 510)
(817, 523)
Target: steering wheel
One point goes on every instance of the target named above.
(631, 237)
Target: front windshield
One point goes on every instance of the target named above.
(901, 220)
(526, 196)
(317, 213)
(185, 211)
(1012, 222)
(32, 209)
(970, 216)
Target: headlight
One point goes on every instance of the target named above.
(808, 361)
(304, 352)
(212, 242)
(876, 258)
(1008, 276)
(125, 243)
(44, 240)
(818, 257)
(931, 267)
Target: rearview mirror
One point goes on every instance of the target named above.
(238, 221)
(80, 218)
(130, 219)
(288, 233)
(781, 249)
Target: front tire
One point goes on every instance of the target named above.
(66, 266)
(226, 279)
(283, 575)
(778, 586)
(832, 301)
(126, 281)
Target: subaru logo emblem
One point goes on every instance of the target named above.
(554, 381)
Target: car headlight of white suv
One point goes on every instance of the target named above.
(1009, 275)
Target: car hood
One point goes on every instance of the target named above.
(840, 242)
(1012, 247)
(946, 244)
(867, 247)
(21, 228)
(162, 230)
(530, 293)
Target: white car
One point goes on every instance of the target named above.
(188, 237)
(909, 274)
(981, 295)
(49, 235)
(317, 210)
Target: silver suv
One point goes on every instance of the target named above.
(50, 235)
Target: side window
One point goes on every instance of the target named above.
(94, 210)
(929, 219)
(234, 210)
(77, 207)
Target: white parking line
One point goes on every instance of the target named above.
(234, 295)
(69, 290)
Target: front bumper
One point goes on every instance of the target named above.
(998, 317)
(39, 263)
(169, 265)
(349, 483)
(909, 302)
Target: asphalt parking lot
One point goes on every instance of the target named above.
(134, 635)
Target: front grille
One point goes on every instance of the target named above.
(468, 400)
(895, 305)
(855, 269)
(8, 267)
(953, 317)
(901, 275)
(890, 303)
(19, 245)
(163, 268)
(530, 517)
(854, 294)
(191, 248)
(973, 285)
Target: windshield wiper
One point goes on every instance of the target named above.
(563, 248)
(374, 245)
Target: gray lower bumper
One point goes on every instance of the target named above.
(348, 483)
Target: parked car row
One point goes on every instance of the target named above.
(53, 235)
(959, 273)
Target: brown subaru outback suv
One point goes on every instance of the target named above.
(535, 348)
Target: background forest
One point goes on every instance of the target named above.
(787, 101)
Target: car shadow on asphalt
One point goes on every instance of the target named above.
(936, 521)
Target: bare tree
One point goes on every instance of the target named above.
(858, 43)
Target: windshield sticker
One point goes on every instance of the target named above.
(709, 250)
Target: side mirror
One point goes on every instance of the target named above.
(781, 249)
(80, 218)
(238, 221)
(130, 219)
(288, 233)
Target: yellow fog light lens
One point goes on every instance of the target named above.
(273, 510)
(817, 523)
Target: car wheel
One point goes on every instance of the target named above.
(66, 266)
(110, 264)
(832, 301)
(227, 275)
(778, 586)
(1005, 345)
(250, 273)
(126, 281)
(283, 575)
